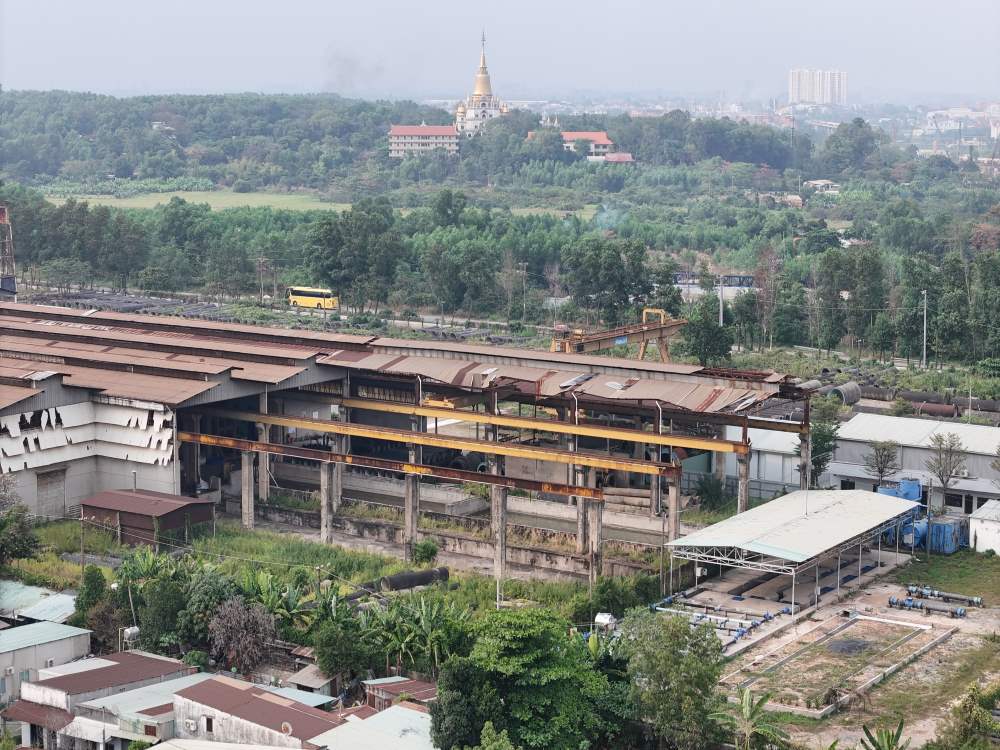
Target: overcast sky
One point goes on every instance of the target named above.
(893, 50)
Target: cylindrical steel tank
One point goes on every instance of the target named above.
(878, 394)
(945, 411)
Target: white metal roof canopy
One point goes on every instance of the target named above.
(793, 532)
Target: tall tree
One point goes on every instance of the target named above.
(674, 669)
(947, 459)
(882, 461)
(704, 338)
(526, 675)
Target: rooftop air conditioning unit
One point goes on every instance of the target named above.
(8, 670)
(191, 725)
(50, 663)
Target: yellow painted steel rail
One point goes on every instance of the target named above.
(541, 425)
(442, 441)
(402, 467)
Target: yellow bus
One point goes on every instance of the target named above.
(307, 296)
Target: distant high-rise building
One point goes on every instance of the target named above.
(817, 86)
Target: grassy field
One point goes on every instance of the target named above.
(965, 572)
(217, 199)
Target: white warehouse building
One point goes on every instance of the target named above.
(972, 488)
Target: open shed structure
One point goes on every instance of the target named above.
(142, 516)
(792, 535)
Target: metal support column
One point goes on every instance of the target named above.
(839, 553)
(793, 595)
(247, 491)
(860, 552)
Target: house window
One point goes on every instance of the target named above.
(847, 484)
(3, 686)
(25, 675)
(954, 501)
(208, 724)
(149, 730)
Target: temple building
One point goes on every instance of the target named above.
(482, 105)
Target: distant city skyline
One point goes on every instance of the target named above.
(715, 50)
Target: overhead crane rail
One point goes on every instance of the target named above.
(402, 467)
(441, 441)
(717, 445)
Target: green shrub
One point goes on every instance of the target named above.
(425, 552)
(711, 492)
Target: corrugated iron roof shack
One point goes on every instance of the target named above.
(143, 516)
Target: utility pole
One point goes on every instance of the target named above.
(722, 296)
(523, 268)
(262, 267)
(923, 358)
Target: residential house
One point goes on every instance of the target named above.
(26, 650)
(48, 706)
(384, 692)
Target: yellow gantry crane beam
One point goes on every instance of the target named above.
(442, 441)
(541, 425)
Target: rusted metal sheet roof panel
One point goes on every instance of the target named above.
(169, 391)
(12, 394)
(141, 502)
(689, 396)
(198, 327)
(167, 340)
(442, 370)
(490, 352)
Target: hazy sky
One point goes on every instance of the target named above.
(896, 50)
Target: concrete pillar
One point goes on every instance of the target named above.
(263, 459)
(673, 511)
(498, 522)
(411, 512)
(742, 482)
(595, 528)
(330, 492)
(805, 461)
(582, 527)
(246, 477)
(719, 459)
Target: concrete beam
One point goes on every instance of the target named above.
(247, 491)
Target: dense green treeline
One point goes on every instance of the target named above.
(252, 141)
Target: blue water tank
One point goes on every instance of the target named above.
(946, 535)
(907, 489)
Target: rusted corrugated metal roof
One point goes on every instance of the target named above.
(258, 706)
(12, 394)
(50, 717)
(198, 327)
(141, 502)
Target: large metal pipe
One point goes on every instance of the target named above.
(926, 592)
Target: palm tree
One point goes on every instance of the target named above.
(884, 739)
(751, 726)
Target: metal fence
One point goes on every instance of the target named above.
(760, 489)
